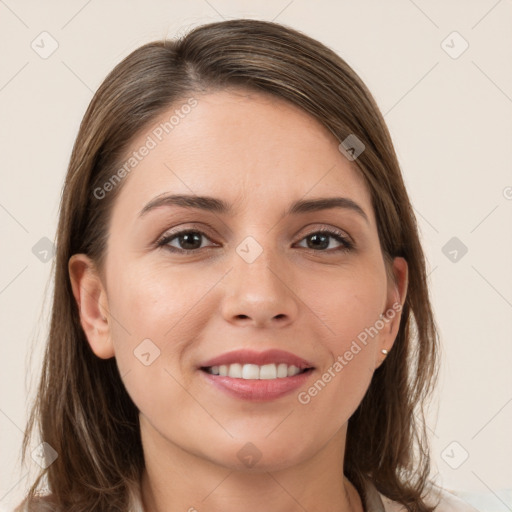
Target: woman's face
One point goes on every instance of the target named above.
(257, 278)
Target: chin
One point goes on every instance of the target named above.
(261, 455)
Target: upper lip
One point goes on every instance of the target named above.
(260, 358)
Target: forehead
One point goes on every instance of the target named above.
(245, 147)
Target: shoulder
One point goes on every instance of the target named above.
(445, 501)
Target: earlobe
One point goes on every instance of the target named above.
(91, 299)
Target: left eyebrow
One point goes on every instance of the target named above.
(216, 205)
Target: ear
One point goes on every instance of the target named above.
(397, 291)
(91, 299)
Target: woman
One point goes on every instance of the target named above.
(241, 319)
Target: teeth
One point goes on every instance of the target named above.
(248, 371)
(235, 370)
(267, 371)
(292, 370)
(282, 370)
(253, 371)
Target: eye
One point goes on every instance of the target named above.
(190, 240)
(319, 239)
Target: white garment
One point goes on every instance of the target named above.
(379, 503)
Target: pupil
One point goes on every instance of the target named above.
(316, 237)
(186, 240)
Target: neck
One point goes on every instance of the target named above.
(176, 479)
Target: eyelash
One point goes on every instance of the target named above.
(333, 233)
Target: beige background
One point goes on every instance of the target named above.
(452, 126)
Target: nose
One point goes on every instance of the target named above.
(260, 293)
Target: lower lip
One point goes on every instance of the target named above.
(258, 390)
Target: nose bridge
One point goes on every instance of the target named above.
(257, 263)
(259, 286)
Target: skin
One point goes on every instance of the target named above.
(244, 148)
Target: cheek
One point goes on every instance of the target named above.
(349, 309)
(339, 385)
(156, 316)
(347, 304)
(154, 303)
(150, 333)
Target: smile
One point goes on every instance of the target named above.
(254, 371)
(251, 387)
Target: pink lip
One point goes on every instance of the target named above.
(257, 390)
(260, 358)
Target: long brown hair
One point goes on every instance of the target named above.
(82, 409)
